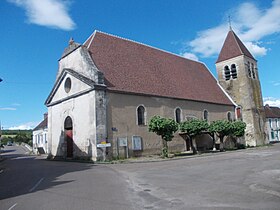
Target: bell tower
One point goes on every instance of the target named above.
(238, 75)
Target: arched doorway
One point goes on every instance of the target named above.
(68, 129)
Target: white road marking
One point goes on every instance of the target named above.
(36, 185)
(1, 171)
(12, 206)
(25, 157)
(256, 188)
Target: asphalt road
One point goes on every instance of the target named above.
(244, 179)
(32, 183)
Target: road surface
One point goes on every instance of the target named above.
(244, 179)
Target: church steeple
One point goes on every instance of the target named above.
(238, 75)
(233, 47)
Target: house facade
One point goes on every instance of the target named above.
(40, 137)
(108, 88)
(272, 123)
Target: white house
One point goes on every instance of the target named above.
(272, 123)
(40, 137)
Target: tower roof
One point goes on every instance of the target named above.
(233, 47)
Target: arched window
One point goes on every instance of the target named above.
(178, 115)
(253, 71)
(141, 115)
(229, 116)
(205, 115)
(233, 71)
(249, 70)
(227, 72)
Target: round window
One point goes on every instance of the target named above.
(67, 85)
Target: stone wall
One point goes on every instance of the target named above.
(246, 92)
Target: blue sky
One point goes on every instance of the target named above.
(34, 34)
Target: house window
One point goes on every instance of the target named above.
(272, 135)
(227, 72)
(178, 115)
(270, 123)
(229, 116)
(233, 71)
(205, 115)
(141, 115)
(249, 70)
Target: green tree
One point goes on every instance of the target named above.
(222, 128)
(238, 128)
(239, 131)
(165, 128)
(192, 128)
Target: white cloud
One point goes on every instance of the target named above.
(8, 108)
(190, 56)
(250, 23)
(50, 13)
(256, 49)
(271, 101)
(26, 126)
(275, 83)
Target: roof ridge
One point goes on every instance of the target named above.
(235, 39)
(140, 43)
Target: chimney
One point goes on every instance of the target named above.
(45, 116)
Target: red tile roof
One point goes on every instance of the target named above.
(233, 47)
(272, 112)
(136, 68)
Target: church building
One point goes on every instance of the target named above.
(108, 88)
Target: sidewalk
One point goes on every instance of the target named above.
(186, 155)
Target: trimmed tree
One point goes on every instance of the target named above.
(238, 131)
(165, 128)
(238, 128)
(222, 128)
(192, 128)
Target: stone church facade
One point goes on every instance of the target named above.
(108, 88)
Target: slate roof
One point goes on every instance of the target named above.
(43, 124)
(132, 67)
(233, 47)
(272, 112)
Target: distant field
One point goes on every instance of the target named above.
(8, 136)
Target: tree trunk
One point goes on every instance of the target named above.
(214, 141)
(188, 144)
(222, 143)
(193, 145)
(164, 149)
